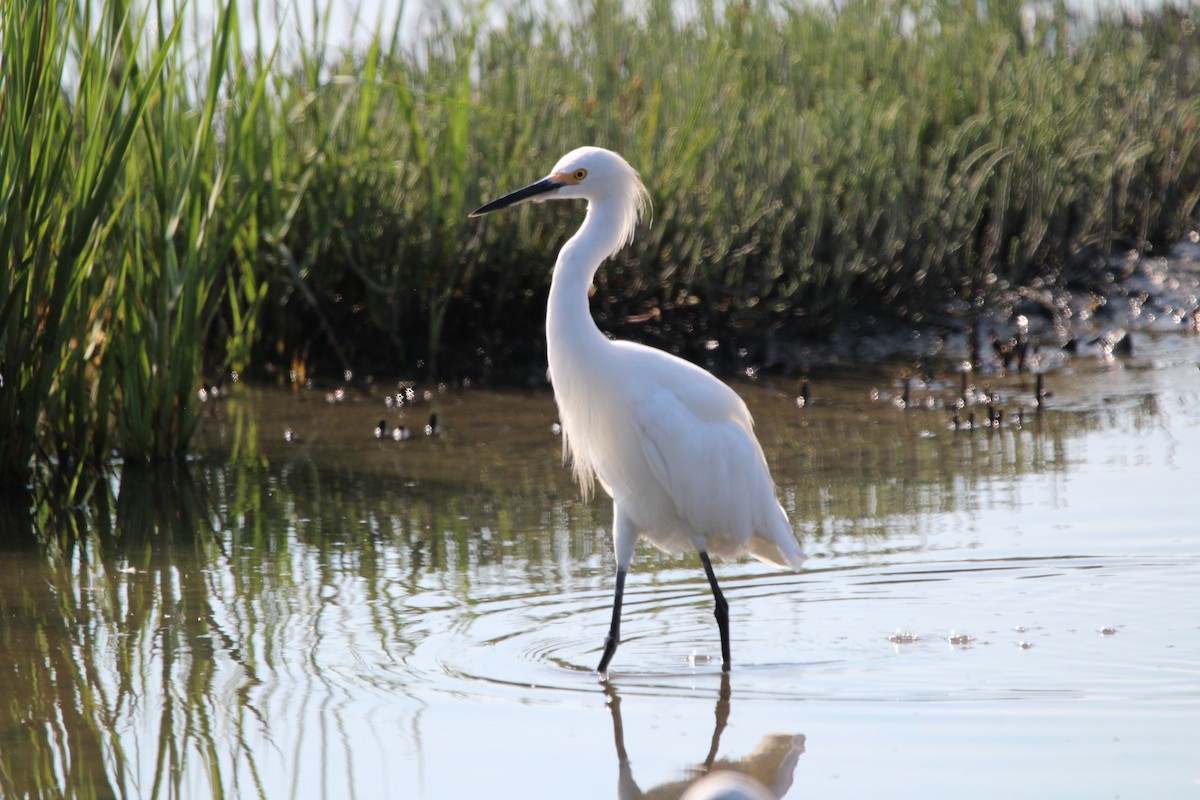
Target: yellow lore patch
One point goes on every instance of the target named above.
(572, 178)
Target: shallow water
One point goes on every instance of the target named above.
(985, 613)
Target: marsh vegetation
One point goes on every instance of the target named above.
(181, 203)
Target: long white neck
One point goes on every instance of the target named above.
(570, 330)
(581, 357)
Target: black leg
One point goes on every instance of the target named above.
(614, 629)
(721, 612)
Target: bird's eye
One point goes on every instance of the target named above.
(579, 174)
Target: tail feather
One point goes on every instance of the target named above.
(785, 555)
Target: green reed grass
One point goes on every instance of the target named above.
(134, 213)
(189, 240)
(895, 155)
(177, 201)
(62, 149)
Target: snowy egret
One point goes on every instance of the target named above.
(673, 446)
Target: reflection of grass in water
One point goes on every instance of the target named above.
(158, 634)
(122, 649)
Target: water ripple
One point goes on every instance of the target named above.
(996, 628)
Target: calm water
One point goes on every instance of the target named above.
(339, 616)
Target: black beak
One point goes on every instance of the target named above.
(519, 196)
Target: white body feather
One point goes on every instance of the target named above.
(671, 444)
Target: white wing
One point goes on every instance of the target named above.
(698, 439)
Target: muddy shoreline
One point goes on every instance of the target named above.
(1098, 308)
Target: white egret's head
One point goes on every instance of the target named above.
(594, 174)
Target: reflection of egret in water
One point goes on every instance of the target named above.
(769, 767)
